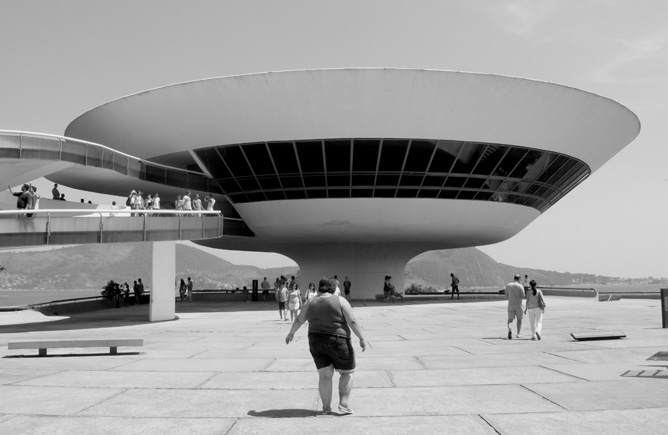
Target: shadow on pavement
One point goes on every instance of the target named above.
(282, 413)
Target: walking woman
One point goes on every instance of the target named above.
(294, 301)
(182, 289)
(330, 319)
(536, 307)
(311, 292)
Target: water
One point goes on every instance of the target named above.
(27, 297)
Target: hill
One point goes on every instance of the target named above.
(91, 266)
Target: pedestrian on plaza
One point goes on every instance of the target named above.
(282, 298)
(182, 290)
(346, 288)
(190, 285)
(526, 284)
(455, 285)
(136, 291)
(331, 319)
(54, 192)
(294, 301)
(311, 292)
(141, 289)
(515, 295)
(265, 286)
(536, 307)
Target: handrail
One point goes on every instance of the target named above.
(98, 145)
(108, 158)
(40, 226)
(96, 211)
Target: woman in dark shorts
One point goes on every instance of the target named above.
(330, 320)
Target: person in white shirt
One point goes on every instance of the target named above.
(187, 203)
(156, 202)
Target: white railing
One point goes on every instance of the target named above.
(42, 221)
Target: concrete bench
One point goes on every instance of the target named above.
(111, 343)
(600, 335)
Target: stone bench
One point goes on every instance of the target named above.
(111, 343)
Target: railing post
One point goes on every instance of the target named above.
(179, 226)
(101, 229)
(144, 214)
(48, 228)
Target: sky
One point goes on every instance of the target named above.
(60, 59)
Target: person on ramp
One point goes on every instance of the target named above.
(330, 319)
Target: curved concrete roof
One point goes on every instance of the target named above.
(358, 103)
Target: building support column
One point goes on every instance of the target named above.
(365, 265)
(163, 273)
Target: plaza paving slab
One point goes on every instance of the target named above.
(443, 367)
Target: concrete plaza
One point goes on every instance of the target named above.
(431, 368)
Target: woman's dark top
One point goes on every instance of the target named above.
(324, 316)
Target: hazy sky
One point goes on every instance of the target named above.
(60, 59)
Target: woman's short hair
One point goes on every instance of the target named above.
(327, 285)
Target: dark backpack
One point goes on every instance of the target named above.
(128, 201)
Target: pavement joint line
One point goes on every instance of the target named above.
(213, 375)
(264, 369)
(417, 358)
(123, 390)
(482, 417)
(545, 398)
(463, 350)
(564, 373)
(389, 377)
(231, 428)
(198, 353)
(564, 357)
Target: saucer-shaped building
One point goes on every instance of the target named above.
(353, 172)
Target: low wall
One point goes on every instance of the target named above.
(75, 307)
(570, 292)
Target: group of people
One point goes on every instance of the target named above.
(189, 203)
(535, 306)
(289, 295)
(390, 293)
(137, 289)
(136, 201)
(185, 290)
(26, 199)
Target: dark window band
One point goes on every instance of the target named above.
(393, 168)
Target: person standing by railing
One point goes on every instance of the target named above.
(23, 198)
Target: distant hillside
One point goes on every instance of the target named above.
(91, 266)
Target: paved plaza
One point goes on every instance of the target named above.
(431, 368)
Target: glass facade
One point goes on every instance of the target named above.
(392, 168)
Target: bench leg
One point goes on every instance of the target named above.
(42, 352)
(113, 350)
